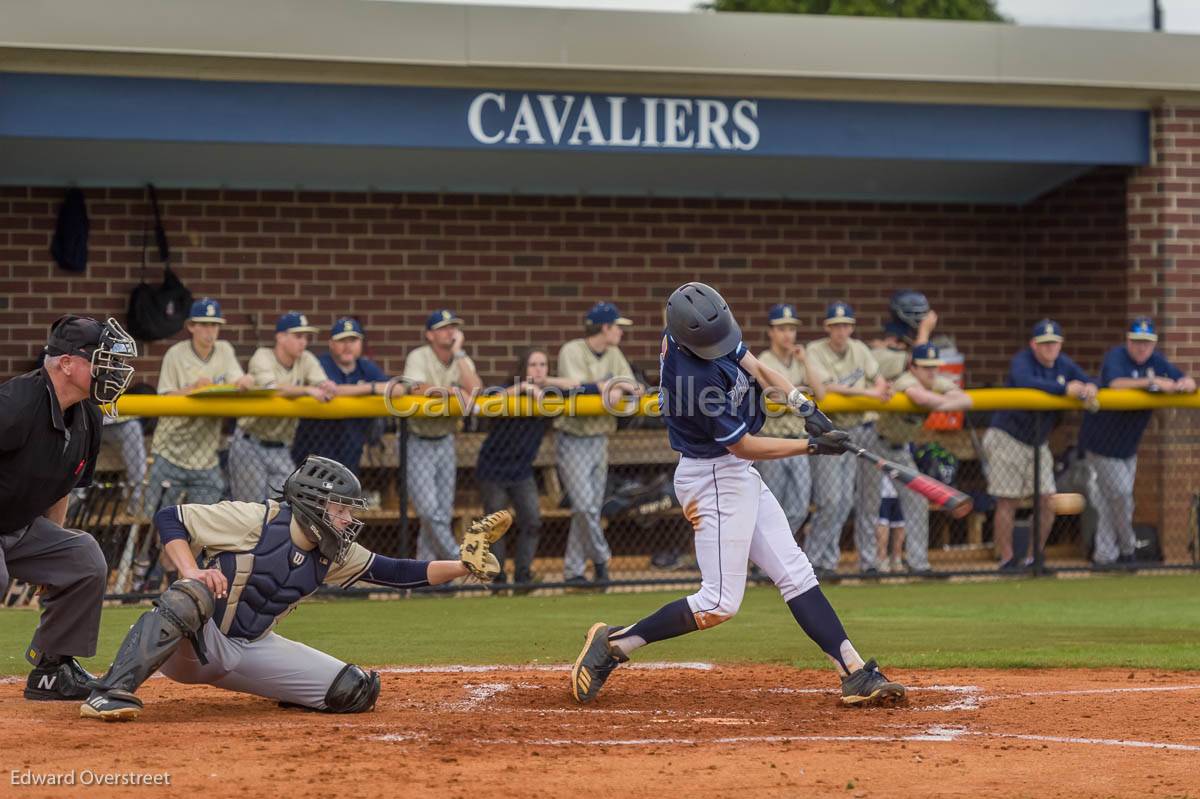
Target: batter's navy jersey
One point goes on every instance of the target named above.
(708, 405)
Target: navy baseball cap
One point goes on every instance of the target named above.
(346, 327)
(1047, 330)
(74, 335)
(1142, 329)
(605, 313)
(926, 355)
(206, 310)
(441, 318)
(294, 322)
(782, 314)
(839, 313)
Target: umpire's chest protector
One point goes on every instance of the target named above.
(266, 582)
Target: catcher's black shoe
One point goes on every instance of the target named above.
(868, 687)
(111, 705)
(57, 680)
(594, 664)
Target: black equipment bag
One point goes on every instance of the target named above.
(158, 312)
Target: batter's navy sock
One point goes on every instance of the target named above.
(669, 621)
(817, 618)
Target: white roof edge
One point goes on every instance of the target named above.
(563, 41)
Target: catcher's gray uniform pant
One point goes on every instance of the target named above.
(1113, 500)
(432, 468)
(197, 486)
(790, 480)
(272, 666)
(834, 479)
(914, 507)
(70, 567)
(255, 469)
(583, 467)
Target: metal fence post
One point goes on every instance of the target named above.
(402, 488)
(1035, 525)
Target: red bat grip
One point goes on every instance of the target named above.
(958, 503)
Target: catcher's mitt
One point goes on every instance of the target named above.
(476, 551)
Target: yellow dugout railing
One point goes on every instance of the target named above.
(230, 404)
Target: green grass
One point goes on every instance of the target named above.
(1103, 621)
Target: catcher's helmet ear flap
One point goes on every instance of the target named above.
(909, 307)
(699, 319)
(324, 496)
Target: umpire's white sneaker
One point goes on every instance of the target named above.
(113, 705)
(594, 664)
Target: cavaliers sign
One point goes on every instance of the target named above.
(612, 121)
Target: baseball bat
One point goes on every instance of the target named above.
(941, 495)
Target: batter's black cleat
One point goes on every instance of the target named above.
(867, 687)
(111, 705)
(57, 679)
(594, 664)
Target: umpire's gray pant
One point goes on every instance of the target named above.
(1112, 497)
(834, 478)
(256, 469)
(70, 567)
(272, 666)
(914, 507)
(432, 468)
(583, 468)
(790, 480)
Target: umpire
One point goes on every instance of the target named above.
(49, 440)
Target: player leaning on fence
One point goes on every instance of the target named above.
(259, 457)
(49, 441)
(1010, 441)
(185, 447)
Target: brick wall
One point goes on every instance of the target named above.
(524, 270)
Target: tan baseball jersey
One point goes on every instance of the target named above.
(901, 428)
(787, 424)
(191, 442)
(578, 361)
(892, 363)
(423, 366)
(268, 372)
(855, 368)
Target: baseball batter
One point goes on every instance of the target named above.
(711, 397)
(260, 560)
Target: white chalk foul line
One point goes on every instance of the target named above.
(481, 669)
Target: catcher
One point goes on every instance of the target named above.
(260, 560)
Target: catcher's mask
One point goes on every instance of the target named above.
(107, 346)
(325, 496)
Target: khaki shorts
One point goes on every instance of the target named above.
(1010, 466)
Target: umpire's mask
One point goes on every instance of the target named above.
(699, 319)
(107, 346)
(325, 496)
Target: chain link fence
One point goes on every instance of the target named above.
(599, 512)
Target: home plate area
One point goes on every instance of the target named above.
(682, 729)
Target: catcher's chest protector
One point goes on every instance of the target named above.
(266, 582)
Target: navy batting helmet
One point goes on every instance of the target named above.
(699, 319)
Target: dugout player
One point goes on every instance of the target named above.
(852, 370)
(185, 447)
(711, 397)
(49, 440)
(789, 478)
(1111, 438)
(259, 456)
(261, 560)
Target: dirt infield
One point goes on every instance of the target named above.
(688, 730)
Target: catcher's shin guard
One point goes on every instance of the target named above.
(178, 614)
(352, 691)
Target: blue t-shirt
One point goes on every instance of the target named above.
(339, 439)
(508, 452)
(708, 405)
(1116, 434)
(1025, 371)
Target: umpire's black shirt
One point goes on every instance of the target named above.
(44, 453)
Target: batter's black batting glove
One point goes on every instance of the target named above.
(832, 443)
(817, 424)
